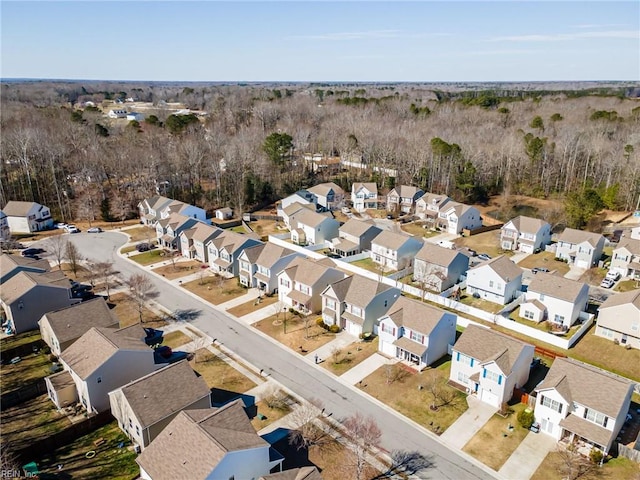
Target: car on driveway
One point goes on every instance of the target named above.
(535, 427)
(607, 283)
(613, 275)
(535, 270)
(94, 230)
(143, 247)
(72, 229)
(484, 257)
(30, 252)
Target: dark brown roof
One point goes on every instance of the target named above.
(74, 321)
(195, 441)
(164, 392)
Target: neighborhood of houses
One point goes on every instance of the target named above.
(365, 277)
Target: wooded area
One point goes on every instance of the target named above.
(245, 149)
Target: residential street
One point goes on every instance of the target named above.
(295, 372)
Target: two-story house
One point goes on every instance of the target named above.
(289, 211)
(259, 266)
(150, 208)
(402, 199)
(303, 280)
(312, 228)
(168, 229)
(525, 234)
(328, 195)
(356, 303)
(438, 268)
(416, 333)
(225, 249)
(580, 248)
(364, 196)
(27, 217)
(209, 444)
(27, 296)
(626, 258)
(556, 299)
(354, 237)
(186, 209)
(60, 328)
(101, 360)
(490, 364)
(619, 319)
(582, 404)
(145, 406)
(429, 206)
(394, 251)
(498, 280)
(193, 241)
(460, 217)
(303, 197)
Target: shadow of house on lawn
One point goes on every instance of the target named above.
(293, 457)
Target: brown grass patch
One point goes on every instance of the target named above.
(127, 311)
(216, 289)
(298, 338)
(219, 374)
(251, 306)
(480, 303)
(348, 357)
(619, 468)
(180, 269)
(494, 443)
(546, 260)
(271, 415)
(141, 233)
(175, 339)
(404, 394)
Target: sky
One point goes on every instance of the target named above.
(357, 41)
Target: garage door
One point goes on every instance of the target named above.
(353, 328)
(490, 398)
(582, 264)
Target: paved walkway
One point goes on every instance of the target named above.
(449, 237)
(526, 459)
(468, 424)
(365, 368)
(252, 294)
(257, 315)
(574, 273)
(519, 256)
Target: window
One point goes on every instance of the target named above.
(491, 283)
(493, 376)
(552, 404)
(137, 430)
(416, 337)
(463, 378)
(528, 314)
(388, 329)
(130, 424)
(285, 283)
(595, 417)
(99, 380)
(634, 326)
(558, 318)
(606, 332)
(331, 304)
(357, 311)
(542, 297)
(464, 359)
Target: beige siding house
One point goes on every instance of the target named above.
(354, 237)
(619, 319)
(61, 328)
(27, 217)
(144, 407)
(626, 258)
(438, 268)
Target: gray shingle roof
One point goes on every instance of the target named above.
(415, 315)
(10, 262)
(358, 290)
(556, 286)
(486, 345)
(23, 281)
(74, 321)
(587, 385)
(195, 441)
(437, 255)
(631, 297)
(302, 473)
(390, 240)
(164, 392)
(357, 227)
(503, 266)
(631, 244)
(18, 209)
(528, 224)
(575, 237)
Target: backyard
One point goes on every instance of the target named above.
(487, 242)
(290, 330)
(348, 357)
(417, 230)
(179, 269)
(627, 285)
(553, 468)
(215, 289)
(494, 443)
(29, 421)
(485, 305)
(114, 458)
(14, 341)
(126, 310)
(545, 260)
(29, 369)
(372, 266)
(225, 381)
(408, 392)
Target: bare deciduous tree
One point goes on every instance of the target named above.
(140, 286)
(104, 271)
(441, 396)
(276, 398)
(74, 257)
(57, 245)
(307, 433)
(365, 435)
(575, 466)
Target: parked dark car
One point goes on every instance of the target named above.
(143, 247)
(535, 427)
(535, 270)
(31, 252)
(484, 257)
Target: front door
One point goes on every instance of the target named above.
(623, 340)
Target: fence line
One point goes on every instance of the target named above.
(23, 394)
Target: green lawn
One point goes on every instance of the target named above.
(485, 305)
(147, 258)
(30, 369)
(627, 285)
(20, 339)
(552, 468)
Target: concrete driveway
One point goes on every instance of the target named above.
(526, 459)
(468, 424)
(574, 273)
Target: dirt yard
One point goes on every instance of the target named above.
(297, 338)
(215, 289)
(179, 269)
(126, 310)
(348, 357)
(225, 381)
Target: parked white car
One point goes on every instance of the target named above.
(72, 229)
(613, 275)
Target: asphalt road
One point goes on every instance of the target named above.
(285, 366)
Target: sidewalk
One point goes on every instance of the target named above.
(365, 368)
(468, 424)
(526, 459)
(252, 294)
(253, 317)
